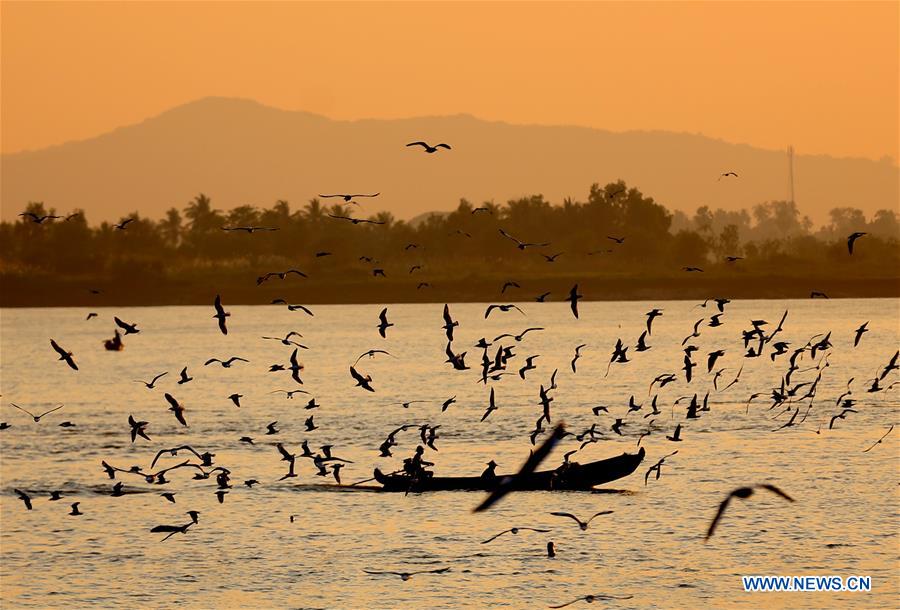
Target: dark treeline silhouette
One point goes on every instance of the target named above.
(459, 255)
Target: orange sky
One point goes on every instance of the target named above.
(822, 76)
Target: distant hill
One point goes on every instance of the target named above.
(241, 152)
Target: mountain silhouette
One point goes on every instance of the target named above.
(242, 152)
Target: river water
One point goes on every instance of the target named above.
(247, 553)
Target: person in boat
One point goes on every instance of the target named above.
(564, 469)
(490, 473)
(415, 466)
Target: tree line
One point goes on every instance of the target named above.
(617, 230)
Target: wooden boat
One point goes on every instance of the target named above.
(574, 477)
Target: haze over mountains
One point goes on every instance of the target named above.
(241, 152)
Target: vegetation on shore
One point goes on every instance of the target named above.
(619, 242)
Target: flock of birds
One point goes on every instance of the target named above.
(791, 400)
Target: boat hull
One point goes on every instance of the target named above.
(576, 477)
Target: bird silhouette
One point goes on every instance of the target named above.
(592, 598)
(492, 406)
(851, 240)
(573, 299)
(176, 408)
(225, 363)
(64, 355)
(676, 436)
(404, 576)
(36, 418)
(859, 333)
(428, 147)
(39, 219)
(152, 383)
(346, 197)
(356, 221)
(522, 245)
(514, 531)
(249, 229)
(583, 524)
(503, 308)
(879, 441)
(221, 314)
(138, 428)
(25, 498)
(383, 323)
(743, 493)
(363, 382)
(130, 329)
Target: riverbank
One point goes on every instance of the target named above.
(201, 288)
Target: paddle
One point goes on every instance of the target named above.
(373, 478)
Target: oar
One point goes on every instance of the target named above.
(373, 478)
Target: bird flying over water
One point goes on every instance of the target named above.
(152, 383)
(449, 322)
(286, 340)
(676, 436)
(176, 408)
(503, 308)
(878, 442)
(592, 598)
(657, 467)
(130, 329)
(36, 418)
(363, 382)
(514, 530)
(573, 299)
(577, 356)
(383, 323)
(64, 355)
(859, 333)
(226, 364)
(371, 354)
(583, 524)
(404, 576)
(743, 493)
(520, 336)
(221, 314)
(138, 428)
(24, 497)
(492, 406)
(651, 315)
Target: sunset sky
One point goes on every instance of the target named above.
(820, 76)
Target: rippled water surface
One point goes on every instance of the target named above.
(247, 553)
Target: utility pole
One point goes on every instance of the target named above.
(791, 171)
